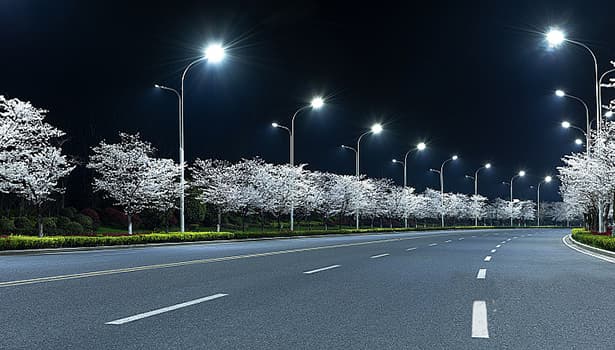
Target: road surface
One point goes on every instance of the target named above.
(487, 289)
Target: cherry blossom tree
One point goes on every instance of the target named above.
(128, 173)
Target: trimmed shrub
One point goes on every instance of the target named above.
(62, 223)
(69, 212)
(93, 215)
(25, 225)
(85, 221)
(7, 225)
(74, 228)
(50, 226)
(598, 241)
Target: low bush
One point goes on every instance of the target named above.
(598, 241)
(7, 225)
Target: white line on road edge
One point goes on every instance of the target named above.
(165, 309)
(499, 245)
(433, 244)
(449, 241)
(488, 258)
(479, 319)
(321, 269)
(409, 249)
(493, 250)
(379, 256)
(586, 252)
(482, 273)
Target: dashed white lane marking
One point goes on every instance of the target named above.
(379, 256)
(433, 244)
(488, 258)
(493, 250)
(165, 309)
(461, 239)
(503, 242)
(482, 273)
(409, 249)
(479, 319)
(529, 234)
(448, 241)
(508, 240)
(474, 236)
(515, 237)
(321, 269)
(499, 245)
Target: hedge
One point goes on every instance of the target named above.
(31, 242)
(598, 241)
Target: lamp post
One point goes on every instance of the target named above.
(441, 172)
(547, 179)
(316, 103)
(567, 125)
(475, 178)
(375, 129)
(213, 53)
(512, 179)
(419, 147)
(562, 93)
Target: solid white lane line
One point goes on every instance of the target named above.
(601, 257)
(493, 250)
(198, 261)
(461, 239)
(499, 245)
(449, 241)
(488, 258)
(482, 273)
(379, 256)
(321, 269)
(166, 309)
(409, 249)
(433, 244)
(479, 319)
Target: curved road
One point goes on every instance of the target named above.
(515, 289)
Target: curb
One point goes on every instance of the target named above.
(599, 253)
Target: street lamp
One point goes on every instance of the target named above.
(315, 103)
(578, 142)
(547, 179)
(375, 129)
(475, 178)
(512, 179)
(419, 147)
(562, 93)
(441, 172)
(213, 53)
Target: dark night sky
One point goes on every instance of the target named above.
(468, 77)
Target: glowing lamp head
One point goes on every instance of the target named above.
(394, 160)
(317, 102)
(548, 179)
(275, 125)
(522, 173)
(555, 37)
(488, 165)
(421, 146)
(157, 86)
(560, 93)
(454, 157)
(608, 114)
(565, 125)
(215, 53)
(376, 128)
(578, 142)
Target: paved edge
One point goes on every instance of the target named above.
(598, 253)
(219, 241)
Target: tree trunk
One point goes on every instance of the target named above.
(39, 219)
(166, 222)
(129, 224)
(219, 221)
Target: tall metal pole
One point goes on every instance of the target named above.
(476, 194)
(442, 193)
(538, 204)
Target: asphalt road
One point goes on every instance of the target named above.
(384, 291)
